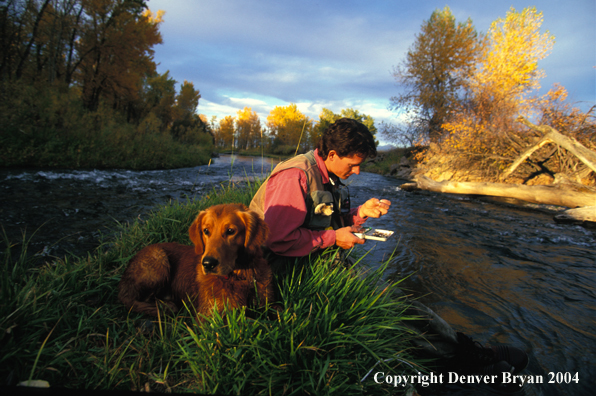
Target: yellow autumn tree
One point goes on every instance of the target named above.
(224, 135)
(248, 129)
(287, 126)
(501, 87)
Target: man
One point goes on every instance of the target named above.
(304, 202)
(307, 209)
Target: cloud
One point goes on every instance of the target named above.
(247, 102)
(337, 54)
(216, 109)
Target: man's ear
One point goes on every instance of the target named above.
(195, 232)
(332, 155)
(256, 231)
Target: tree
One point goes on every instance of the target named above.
(287, 125)
(327, 117)
(186, 121)
(187, 100)
(501, 88)
(225, 132)
(248, 129)
(21, 28)
(432, 75)
(115, 50)
(509, 63)
(404, 134)
(486, 143)
(158, 96)
(367, 120)
(32, 37)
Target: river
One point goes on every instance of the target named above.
(499, 271)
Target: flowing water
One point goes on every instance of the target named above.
(499, 271)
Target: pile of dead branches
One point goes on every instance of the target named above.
(553, 169)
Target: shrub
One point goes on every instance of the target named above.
(48, 127)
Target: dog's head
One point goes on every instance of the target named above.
(223, 233)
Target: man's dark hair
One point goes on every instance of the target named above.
(347, 137)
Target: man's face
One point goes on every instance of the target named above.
(343, 167)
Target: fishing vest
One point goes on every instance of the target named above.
(325, 203)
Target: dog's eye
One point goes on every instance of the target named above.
(230, 231)
(206, 231)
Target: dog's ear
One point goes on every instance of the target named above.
(257, 231)
(195, 232)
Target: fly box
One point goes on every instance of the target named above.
(374, 234)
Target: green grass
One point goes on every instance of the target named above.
(62, 323)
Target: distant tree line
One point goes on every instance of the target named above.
(287, 130)
(79, 87)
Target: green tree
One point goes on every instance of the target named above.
(159, 97)
(61, 60)
(187, 100)
(24, 38)
(116, 50)
(186, 121)
(327, 117)
(435, 68)
(363, 118)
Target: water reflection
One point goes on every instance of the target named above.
(499, 273)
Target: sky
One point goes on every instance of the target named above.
(340, 54)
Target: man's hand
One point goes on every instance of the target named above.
(374, 208)
(345, 239)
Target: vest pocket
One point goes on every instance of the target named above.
(321, 210)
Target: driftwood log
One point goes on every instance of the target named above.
(570, 195)
(553, 194)
(577, 216)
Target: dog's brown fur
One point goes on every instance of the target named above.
(225, 266)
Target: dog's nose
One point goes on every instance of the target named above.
(209, 263)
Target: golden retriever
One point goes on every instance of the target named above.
(224, 267)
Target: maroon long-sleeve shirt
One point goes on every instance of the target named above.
(285, 211)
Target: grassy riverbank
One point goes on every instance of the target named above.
(62, 323)
(118, 148)
(48, 128)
